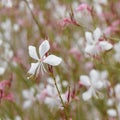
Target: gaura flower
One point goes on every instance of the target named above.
(93, 84)
(42, 58)
(94, 45)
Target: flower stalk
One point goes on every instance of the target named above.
(62, 102)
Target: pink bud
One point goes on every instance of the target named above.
(4, 83)
(65, 22)
(9, 97)
(116, 23)
(84, 6)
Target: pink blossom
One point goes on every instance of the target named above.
(3, 94)
(113, 28)
(42, 95)
(76, 53)
(4, 84)
(83, 6)
(9, 97)
(65, 22)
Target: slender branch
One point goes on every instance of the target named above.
(60, 96)
(33, 16)
(114, 39)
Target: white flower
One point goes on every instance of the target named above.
(94, 45)
(18, 118)
(112, 112)
(117, 91)
(93, 83)
(29, 97)
(7, 3)
(50, 59)
(98, 6)
(52, 99)
(117, 52)
(82, 15)
(52, 96)
(51, 102)
(2, 70)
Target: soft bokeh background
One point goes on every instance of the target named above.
(29, 22)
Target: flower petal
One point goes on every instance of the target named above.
(84, 80)
(33, 68)
(104, 45)
(43, 48)
(87, 95)
(27, 104)
(97, 34)
(94, 76)
(112, 112)
(89, 38)
(32, 52)
(90, 49)
(98, 85)
(2, 70)
(53, 60)
(51, 102)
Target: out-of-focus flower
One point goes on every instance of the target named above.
(117, 52)
(49, 94)
(4, 84)
(18, 118)
(50, 59)
(117, 92)
(65, 22)
(97, 6)
(83, 6)
(75, 52)
(2, 70)
(93, 84)
(7, 3)
(94, 45)
(82, 14)
(4, 94)
(113, 28)
(112, 112)
(51, 98)
(29, 97)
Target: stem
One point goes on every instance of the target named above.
(112, 38)
(66, 116)
(33, 16)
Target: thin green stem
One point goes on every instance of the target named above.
(33, 16)
(66, 116)
(115, 39)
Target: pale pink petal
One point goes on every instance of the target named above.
(98, 84)
(87, 95)
(43, 48)
(89, 38)
(84, 80)
(104, 45)
(53, 60)
(94, 75)
(90, 49)
(33, 68)
(97, 34)
(33, 53)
